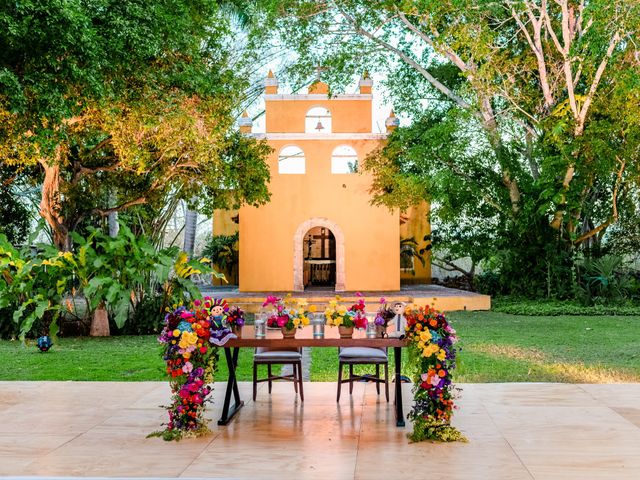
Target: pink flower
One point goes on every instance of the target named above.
(197, 303)
(271, 300)
(282, 321)
(187, 367)
(383, 300)
(358, 294)
(424, 377)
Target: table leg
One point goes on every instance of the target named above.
(397, 355)
(232, 387)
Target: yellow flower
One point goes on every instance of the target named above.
(312, 308)
(425, 335)
(338, 321)
(442, 355)
(187, 339)
(301, 311)
(296, 321)
(305, 320)
(342, 309)
(430, 350)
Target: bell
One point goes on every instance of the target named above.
(319, 126)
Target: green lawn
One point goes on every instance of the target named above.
(496, 347)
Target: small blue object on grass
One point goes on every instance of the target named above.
(44, 343)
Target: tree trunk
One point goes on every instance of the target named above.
(190, 227)
(100, 323)
(114, 226)
(50, 208)
(112, 217)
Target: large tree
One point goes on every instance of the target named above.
(121, 103)
(525, 111)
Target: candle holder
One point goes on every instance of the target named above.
(318, 325)
(260, 325)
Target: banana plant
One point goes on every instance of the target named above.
(32, 286)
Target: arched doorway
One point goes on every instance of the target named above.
(318, 255)
(319, 268)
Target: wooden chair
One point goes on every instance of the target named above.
(282, 356)
(363, 356)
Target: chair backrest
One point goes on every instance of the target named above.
(384, 349)
(278, 349)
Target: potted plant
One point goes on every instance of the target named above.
(383, 316)
(346, 318)
(235, 319)
(288, 314)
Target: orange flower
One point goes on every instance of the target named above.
(441, 373)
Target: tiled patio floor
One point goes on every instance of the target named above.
(515, 431)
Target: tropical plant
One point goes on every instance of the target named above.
(222, 250)
(31, 288)
(603, 279)
(113, 273)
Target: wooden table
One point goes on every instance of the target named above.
(304, 338)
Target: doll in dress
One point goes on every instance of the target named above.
(220, 332)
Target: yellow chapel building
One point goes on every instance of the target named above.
(319, 230)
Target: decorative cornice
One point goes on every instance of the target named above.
(317, 96)
(320, 136)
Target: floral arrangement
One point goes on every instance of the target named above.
(235, 316)
(433, 356)
(289, 312)
(190, 339)
(341, 315)
(384, 314)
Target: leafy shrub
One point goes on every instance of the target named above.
(603, 280)
(147, 318)
(222, 250)
(14, 216)
(113, 273)
(559, 307)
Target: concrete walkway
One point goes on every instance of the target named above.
(515, 431)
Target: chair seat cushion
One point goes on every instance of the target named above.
(361, 353)
(277, 355)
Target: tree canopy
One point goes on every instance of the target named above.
(121, 103)
(524, 112)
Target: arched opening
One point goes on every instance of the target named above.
(318, 120)
(291, 160)
(319, 270)
(344, 159)
(303, 255)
